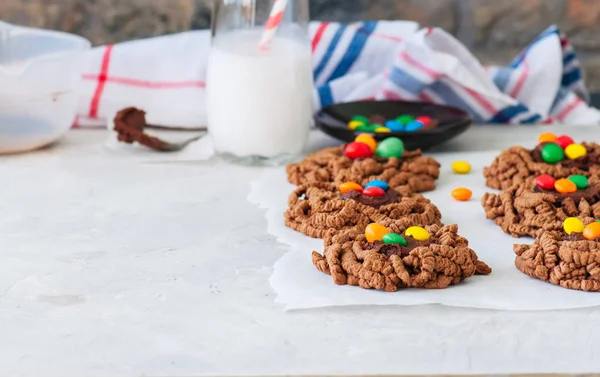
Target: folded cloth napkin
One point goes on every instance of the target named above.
(368, 60)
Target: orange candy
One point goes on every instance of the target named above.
(565, 186)
(462, 194)
(375, 232)
(346, 187)
(547, 137)
(592, 231)
(367, 139)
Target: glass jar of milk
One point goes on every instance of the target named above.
(259, 80)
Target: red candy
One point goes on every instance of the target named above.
(373, 191)
(356, 150)
(424, 119)
(564, 141)
(545, 182)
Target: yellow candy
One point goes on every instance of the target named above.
(367, 139)
(461, 167)
(418, 233)
(353, 124)
(382, 130)
(574, 151)
(573, 224)
(346, 187)
(375, 232)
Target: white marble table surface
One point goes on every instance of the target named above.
(110, 268)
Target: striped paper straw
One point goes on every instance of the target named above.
(272, 23)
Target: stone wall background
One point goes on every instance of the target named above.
(496, 30)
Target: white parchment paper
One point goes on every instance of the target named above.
(299, 285)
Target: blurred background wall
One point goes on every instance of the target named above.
(494, 29)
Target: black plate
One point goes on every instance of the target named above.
(333, 120)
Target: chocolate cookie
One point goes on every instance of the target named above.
(570, 261)
(526, 209)
(412, 172)
(318, 207)
(516, 164)
(443, 260)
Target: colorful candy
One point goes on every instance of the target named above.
(346, 187)
(379, 124)
(375, 232)
(547, 137)
(361, 118)
(564, 141)
(356, 150)
(418, 233)
(376, 119)
(552, 153)
(424, 119)
(575, 151)
(565, 186)
(373, 191)
(378, 183)
(394, 239)
(405, 119)
(592, 231)
(545, 182)
(394, 126)
(573, 225)
(390, 147)
(354, 124)
(580, 181)
(462, 194)
(461, 167)
(414, 126)
(367, 139)
(364, 128)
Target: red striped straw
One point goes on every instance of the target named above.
(272, 23)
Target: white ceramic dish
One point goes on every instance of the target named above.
(39, 74)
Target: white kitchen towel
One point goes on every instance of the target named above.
(165, 76)
(542, 84)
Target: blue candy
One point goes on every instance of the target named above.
(415, 125)
(394, 126)
(378, 183)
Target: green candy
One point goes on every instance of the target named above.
(376, 125)
(361, 118)
(394, 239)
(552, 153)
(580, 181)
(365, 129)
(390, 147)
(405, 119)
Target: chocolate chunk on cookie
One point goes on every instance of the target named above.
(516, 164)
(314, 209)
(442, 260)
(412, 172)
(526, 209)
(570, 261)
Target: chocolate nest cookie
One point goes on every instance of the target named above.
(443, 260)
(412, 172)
(318, 207)
(526, 209)
(570, 261)
(516, 164)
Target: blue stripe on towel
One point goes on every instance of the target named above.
(361, 37)
(329, 52)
